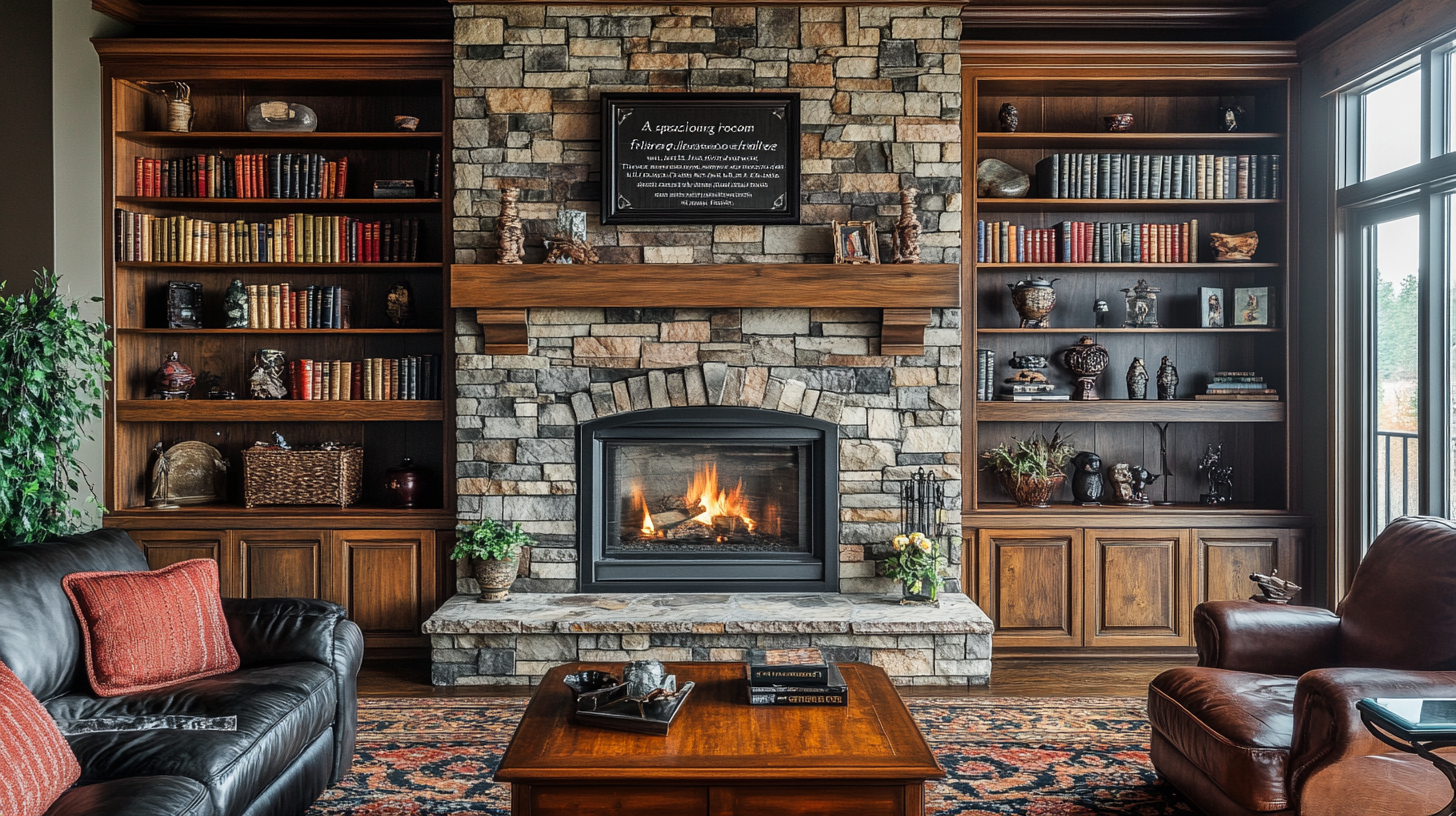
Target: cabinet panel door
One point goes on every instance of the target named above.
(166, 547)
(284, 563)
(1138, 588)
(1031, 585)
(386, 579)
(1226, 558)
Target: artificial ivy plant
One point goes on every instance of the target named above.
(53, 368)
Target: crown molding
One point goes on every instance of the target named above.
(406, 15)
(1051, 53)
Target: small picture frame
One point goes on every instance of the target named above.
(184, 305)
(1251, 306)
(855, 242)
(1211, 308)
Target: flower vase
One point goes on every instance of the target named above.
(495, 576)
(928, 593)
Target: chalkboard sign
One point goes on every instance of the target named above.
(700, 158)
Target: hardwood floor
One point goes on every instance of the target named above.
(1010, 677)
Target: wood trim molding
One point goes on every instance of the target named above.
(1127, 17)
(138, 12)
(1051, 53)
(256, 53)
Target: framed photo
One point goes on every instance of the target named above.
(855, 242)
(1211, 306)
(1252, 306)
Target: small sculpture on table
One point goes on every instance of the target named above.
(508, 230)
(174, 380)
(997, 179)
(161, 481)
(1234, 248)
(1008, 118)
(1129, 483)
(1087, 479)
(399, 304)
(1230, 118)
(1087, 360)
(1028, 378)
(1034, 299)
(570, 245)
(266, 381)
(1142, 306)
(1141, 478)
(1220, 477)
(1137, 380)
(1167, 381)
(905, 234)
(1273, 589)
(235, 306)
(1099, 311)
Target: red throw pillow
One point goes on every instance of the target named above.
(36, 762)
(149, 630)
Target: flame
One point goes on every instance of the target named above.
(638, 501)
(706, 494)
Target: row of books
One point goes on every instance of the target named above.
(279, 306)
(794, 677)
(1238, 386)
(985, 374)
(1182, 176)
(294, 238)
(376, 378)
(1087, 242)
(253, 175)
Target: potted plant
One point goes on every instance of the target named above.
(494, 551)
(1030, 470)
(52, 371)
(917, 564)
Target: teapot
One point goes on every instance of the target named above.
(1034, 299)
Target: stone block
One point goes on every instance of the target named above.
(581, 405)
(668, 355)
(487, 74)
(554, 648)
(905, 662)
(911, 28)
(793, 396)
(864, 455)
(537, 451)
(755, 380)
(696, 386)
(692, 331)
(479, 31)
(864, 103)
(859, 67)
(636, 642)
(820, 34)
(614, 347)
(943, 439)
(737, 234)
(733, 386)
(776, 321)
(496, 662)
(657, 389)
(677, 392)
(778, 27)
(517, 100)
(667, 254)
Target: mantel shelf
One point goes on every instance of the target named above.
(501, 293)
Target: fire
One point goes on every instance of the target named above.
(638, 501)
(715, 502)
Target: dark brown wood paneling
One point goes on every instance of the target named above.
(282, 564)
(386, 580)
(166, 547)
(1031, 585)
(1138, 587)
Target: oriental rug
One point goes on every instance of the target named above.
(1003, 755)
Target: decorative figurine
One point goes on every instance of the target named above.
(1234, 248)
(173, 380)
(1027, 381)
(1034, 299)
(1087, 479)
(1118, 122)
(278, 442)
(267, 378)
(1099, 311)
(235, 305)
(997, 179)
(1019, 360)
(1087, 360)
(179, 103)
(406, 123)
(1142, 306)
(1230, 118)
(1273, 589)
(1141, 478)
(1220, 477)
(399, 304)
(1167, 381)
(184, 305)
(1009, 118)
(161, 481)
(289, 117)
(1119, 484)
(187, 473)
(570, 245)
(404, 484)
(1163, 459)
(508, 229)
(1137, 380)
(905, 234)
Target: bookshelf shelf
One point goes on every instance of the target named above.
(1119, 330)
(244, 410)
(226, 332)
(1183, 142)
(322, 268)
(1110, 410)
(1093, 267)
(1119, 204)
(271, 204)
(382, 140)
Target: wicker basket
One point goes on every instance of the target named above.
(272, 476)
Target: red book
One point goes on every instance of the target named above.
(356, 381)
(343, 178)
(260, 175)
(295, 388)
(374, 242)
(245, 177)
(202, 176)
(285, 298)
(313, 373)
(1183, 253)
(1087, 242)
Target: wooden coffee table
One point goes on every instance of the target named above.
(723, 756)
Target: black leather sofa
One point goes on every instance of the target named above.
(293, 696)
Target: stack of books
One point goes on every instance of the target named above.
(1137, 176)
(377, 378)
(1087, 242)
(1238, 386)
(794, 677)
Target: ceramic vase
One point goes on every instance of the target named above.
(495, 576)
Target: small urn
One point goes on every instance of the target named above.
(1087, 360)
(404, 485)
(1034, 299)
(174, 379)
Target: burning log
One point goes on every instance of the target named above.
(668, 519)
(726, 525)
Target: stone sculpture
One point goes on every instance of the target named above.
(997, 179)
(266, 380)
(1087, 479)
(235, 306)
(1137, 380)
(508, 229)
(1167, 381)
(1009, 118)
(905, 234)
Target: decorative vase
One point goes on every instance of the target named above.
(404, 484)
(1087, 360)
(928, 593)
(495, 576)
(174, 380)
(1034, 299)
(1031, 491)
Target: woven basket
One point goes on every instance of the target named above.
(272, 476)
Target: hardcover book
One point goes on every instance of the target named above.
(787, 667)
(834, 693)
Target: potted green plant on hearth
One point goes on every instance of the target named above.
(1031, 469)
(919, 565)
(494, 551)
(53, 369)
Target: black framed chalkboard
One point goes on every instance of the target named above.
(700, 158)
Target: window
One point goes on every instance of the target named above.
(1390, 126)
(1392, 274)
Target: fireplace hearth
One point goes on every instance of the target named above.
(708, 499)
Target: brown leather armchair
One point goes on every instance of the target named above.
(1270, 708)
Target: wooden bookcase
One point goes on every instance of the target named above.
(1078, 577)
(386, 565)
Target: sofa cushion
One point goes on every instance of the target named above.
(137, 796)
(1234, 726)
(40, 639)
(36, 764)
(280, 711)
(148, 630)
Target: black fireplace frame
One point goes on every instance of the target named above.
(814, 571)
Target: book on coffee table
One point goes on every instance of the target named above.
(787, 667)
(834, 693)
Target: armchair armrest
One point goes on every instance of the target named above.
(1265, 638)
(1327, 727)
(269, 631)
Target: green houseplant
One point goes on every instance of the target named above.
(494, 551)
(53, 368)
(918, 564)
(1031, 469)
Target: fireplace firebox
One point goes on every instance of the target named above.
(708, 499)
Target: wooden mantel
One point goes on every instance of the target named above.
(501, 293)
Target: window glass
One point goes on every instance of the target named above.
(1451, 103)
(1390, 127)
(1395, 249)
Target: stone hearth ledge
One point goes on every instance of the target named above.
(516, 642)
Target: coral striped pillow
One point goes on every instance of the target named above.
(149, 630)
(36, 762)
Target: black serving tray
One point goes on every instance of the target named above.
(623, 715)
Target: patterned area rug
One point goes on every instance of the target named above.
(1003, 755)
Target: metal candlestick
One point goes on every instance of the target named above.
(1167, 474)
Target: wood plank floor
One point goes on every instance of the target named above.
(1010, 677)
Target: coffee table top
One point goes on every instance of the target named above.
(1413, 718)
(718, 735)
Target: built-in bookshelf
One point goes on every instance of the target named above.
(1128, 577)
(294, 218)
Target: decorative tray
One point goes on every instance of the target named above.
(601, 700)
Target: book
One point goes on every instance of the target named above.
(787, 667)
(1033, 397)
(835, 692)
(1238, 397)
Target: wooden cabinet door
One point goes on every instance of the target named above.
(284, 564)
(166, 547)
(386, 579)
(1030, 584)
(1138, 588)
(1226, 558)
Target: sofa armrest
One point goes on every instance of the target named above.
(269, 631)
(1327, 726)
(1265, 638)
